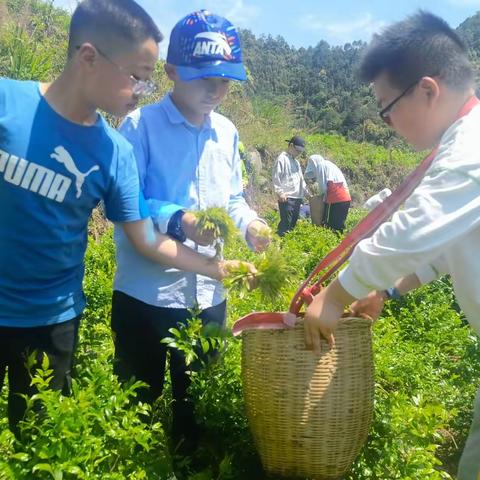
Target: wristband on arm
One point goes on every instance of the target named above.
(392, 293)
(175, 227)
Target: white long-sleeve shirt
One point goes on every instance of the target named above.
(437, 232)
(377, 199)
(288, 177)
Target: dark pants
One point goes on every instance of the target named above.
(335, 215)
(138, 330)
(289, 212)
(16, 344)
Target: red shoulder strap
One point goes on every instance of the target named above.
(366, 227)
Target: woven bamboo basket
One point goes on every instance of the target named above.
(309, 413)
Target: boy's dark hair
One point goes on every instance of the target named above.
(421, 45)
(112, 25)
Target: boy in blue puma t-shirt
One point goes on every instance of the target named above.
(58, 160)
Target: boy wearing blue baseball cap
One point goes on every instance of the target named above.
(188, 160)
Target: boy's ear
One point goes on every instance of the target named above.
(431, 88)
(171, 72)
(87, 54)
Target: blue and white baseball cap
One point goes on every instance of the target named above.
(205, 45)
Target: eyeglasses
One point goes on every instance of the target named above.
(385, 112)
(140, 88)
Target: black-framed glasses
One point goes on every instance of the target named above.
(140, 88)
(385, 112)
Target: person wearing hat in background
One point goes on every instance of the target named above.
(188, 160)
(289, 184)
(333, 190)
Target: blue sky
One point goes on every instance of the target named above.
(305, 22)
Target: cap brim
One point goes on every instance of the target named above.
(233, 71)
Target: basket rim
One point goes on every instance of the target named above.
(284, 321)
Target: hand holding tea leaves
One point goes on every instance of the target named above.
(213, 225)
(271, 275)
(269, 271)
(236, 271)
(190, 227)
(259, 235)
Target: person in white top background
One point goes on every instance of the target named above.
(333, 190)
(377, 199)
(289, 184)
(425, 85)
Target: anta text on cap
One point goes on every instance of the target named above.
(206, 45)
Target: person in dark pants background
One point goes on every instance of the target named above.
(333, 190)
(289, 184)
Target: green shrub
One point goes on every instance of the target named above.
(427, 370)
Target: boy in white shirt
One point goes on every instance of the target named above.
(425, 84)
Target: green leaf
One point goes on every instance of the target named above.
(23, 457)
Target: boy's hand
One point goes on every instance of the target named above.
(282, 198)
(321, 318)
(226, 267)
(323, 314)
(370, 306)
(259, 235)
(189, 224)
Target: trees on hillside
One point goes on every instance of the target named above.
(322, 84)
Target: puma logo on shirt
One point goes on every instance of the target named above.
(42, 180)
(62, 156)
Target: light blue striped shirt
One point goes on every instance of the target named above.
(180, 166)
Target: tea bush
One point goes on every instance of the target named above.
(427, 370)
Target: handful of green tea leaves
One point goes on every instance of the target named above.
(313, 188)
(217, 221)
(273, 272)
(271, 266)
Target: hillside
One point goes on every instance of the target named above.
(313, 91)
(320, 82)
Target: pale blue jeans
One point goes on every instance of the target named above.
(469, 467)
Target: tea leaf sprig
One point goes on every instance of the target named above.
(217, 221)
(272, 274)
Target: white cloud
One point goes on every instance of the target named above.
(68, 5)
(360, 28)
(239, 12)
